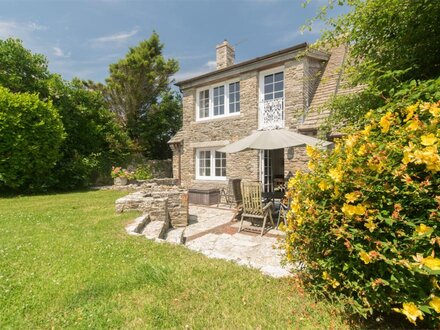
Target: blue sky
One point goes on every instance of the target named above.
(81, 38)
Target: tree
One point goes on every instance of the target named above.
(136, 88)
(31, 134)
(22, 71)
(94, 140)
(161, 123)
(392, 42)
(400, 36)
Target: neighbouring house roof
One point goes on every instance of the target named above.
(177, 138)
(254, 64)
(331, 84)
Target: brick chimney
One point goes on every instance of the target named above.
(225, 55)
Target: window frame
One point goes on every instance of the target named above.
(212, 167)
(218, 87)
(226, 104)
(264, 73)
(198, 102)
(235, 103)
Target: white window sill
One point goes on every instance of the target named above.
(210, 178)
(199, 120)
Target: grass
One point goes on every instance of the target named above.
(66, 262)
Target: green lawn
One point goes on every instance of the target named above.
(66, 261)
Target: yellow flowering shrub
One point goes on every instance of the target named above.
(365, 219)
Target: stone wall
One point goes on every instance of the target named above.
(161, 168)
(297, 163)
(294, 92)
(159, 182)
(177, 149)
(221, 131)
(165, 203)
(218, 132)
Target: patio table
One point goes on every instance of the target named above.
(272, 195)
(275, 197)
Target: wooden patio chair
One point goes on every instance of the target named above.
(282, 211)
(253, 207)
(232, 193)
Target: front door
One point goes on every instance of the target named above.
(266, 170)
(271, 168)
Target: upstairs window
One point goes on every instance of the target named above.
(218, 101)
(274, 86)
(204, 103)
(234, 97)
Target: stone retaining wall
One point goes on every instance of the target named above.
(165, 203)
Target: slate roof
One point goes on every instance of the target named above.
(330, 84)
(177, 138)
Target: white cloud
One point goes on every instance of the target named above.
(188, 57)
(36, 27)
(209, 66)
(58, 52)
(14, 29)
(7, 29)
(117, 37)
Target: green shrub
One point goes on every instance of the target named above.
(31, 134)
(143, 172)
(94, 141)
(365, 220)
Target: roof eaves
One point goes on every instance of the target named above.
(243, 64)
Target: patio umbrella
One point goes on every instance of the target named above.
(273, 139)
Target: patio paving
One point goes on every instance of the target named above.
(212, 233)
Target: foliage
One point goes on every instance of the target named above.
(389, 39)
(94, 139)
(66, 262)
(143, 172)
(138, 92)
(161, 122)
(365, 220)
(348, 109)
(31, 134)
(20, 70)
(392, 42)
(119, 172)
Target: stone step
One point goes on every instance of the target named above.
(137, 226)
(175, 235)
(155, 230)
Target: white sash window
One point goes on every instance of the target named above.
(218, 101)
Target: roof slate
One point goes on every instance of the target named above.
(331, 84)
(177, 138)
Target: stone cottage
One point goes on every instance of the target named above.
(284, 89)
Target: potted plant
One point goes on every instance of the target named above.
(120, 176)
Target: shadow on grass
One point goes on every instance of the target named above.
(52, 192)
